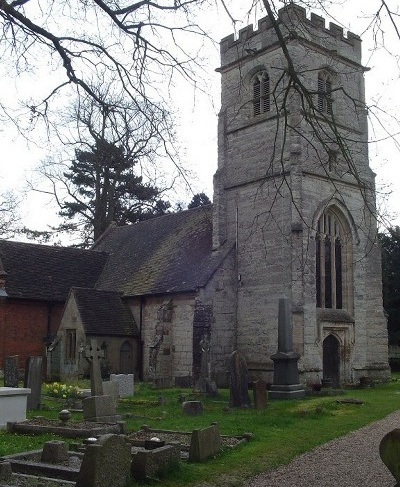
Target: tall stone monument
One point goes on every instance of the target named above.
(286, 374)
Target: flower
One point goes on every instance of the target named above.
(62, 390)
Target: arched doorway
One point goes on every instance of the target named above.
(331, 360)
(126, 358)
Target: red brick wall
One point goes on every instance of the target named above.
(23, 327)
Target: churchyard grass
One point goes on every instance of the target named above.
(280, 432)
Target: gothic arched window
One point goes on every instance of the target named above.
(261, 93)
(324, 93)
(331, 267)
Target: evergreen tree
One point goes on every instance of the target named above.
(106, 189)
(199, 199)
(390, 243)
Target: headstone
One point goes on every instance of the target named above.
(33, 381)
(93, 354)
(11, 371)
(5, 471)
(286, 374)
(147, 464)
(389, 451)
(125, 384)
(238, 383)
(111, 389)
(204, 443)
(260, 394)
(192, 408)
(106, 463)
(204, 383)
(101, 409)
(55, 452)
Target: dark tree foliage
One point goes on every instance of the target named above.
(390, 244)
(199, 199)
(108, 190)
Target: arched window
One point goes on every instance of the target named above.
(261, 93)
(331, 265)
(324, 93)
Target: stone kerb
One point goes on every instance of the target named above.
(204, 443)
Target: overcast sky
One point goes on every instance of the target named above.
(197, 120)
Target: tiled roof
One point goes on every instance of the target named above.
(47, 273)
(104, 313)
(167, 254)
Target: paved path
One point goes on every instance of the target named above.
(349, 461)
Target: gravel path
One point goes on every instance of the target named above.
(349, 461)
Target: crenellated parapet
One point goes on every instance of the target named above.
(294, 23)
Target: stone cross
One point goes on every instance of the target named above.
(93, 354)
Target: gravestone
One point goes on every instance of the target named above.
(260, 394)
(238, 381)
(5, 471)
(389, 451)
(204, 383)
(11, 371)
(33, 381)
(192, 408)
(111, 388)
(55, 452)
(148, 464)
(125, 384)
(204, 443)
(286, 374)
(98, 407)
(106, 463)
(93, 354)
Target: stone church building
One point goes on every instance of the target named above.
(293, 215)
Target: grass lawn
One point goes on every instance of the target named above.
(280, 432)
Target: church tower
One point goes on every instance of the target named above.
(295, 195)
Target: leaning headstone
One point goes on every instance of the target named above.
(33, 381)
(204, 443)
(389, 451)
(106, 462)
(192, 408)
(55, 452)
(260, 394)
(11, 371)
(148, 464)
(93, 354)
(238, 383)
(125, 384)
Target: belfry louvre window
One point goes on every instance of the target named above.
(261, 93)
(324, 94)
(329, 262)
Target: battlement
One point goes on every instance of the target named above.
(293, 21)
